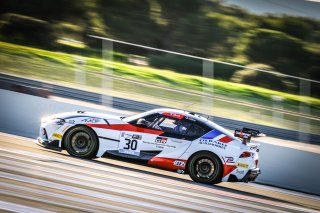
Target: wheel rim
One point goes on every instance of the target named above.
(204, 168)
(81, 142)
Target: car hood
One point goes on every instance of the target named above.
(67, 115)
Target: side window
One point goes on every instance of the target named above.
(150, 120)
(173, 125)
(196, 131)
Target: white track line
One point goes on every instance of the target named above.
(63, 197)
(13, 207)
(183, 201)
(109, 170)
(102, 178)
(283, 191)
(86, 192)
(159, 197)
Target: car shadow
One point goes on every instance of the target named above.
(157, 174)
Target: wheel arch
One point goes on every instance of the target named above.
(72, 127)
(202, 151)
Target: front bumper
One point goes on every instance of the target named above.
(251, 175)
(54, 145)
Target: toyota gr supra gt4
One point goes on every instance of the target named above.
(165, 138)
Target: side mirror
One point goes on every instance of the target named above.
(142, 122)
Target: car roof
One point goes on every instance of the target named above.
(175, 112)
(192, 115)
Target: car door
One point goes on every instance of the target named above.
(174, 138)
(139, 142)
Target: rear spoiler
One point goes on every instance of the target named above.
(246, 133)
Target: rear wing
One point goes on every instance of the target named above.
(246, 133)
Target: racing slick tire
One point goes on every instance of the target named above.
(81, 142)
(205, 167)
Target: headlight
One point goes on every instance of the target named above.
(58, 121)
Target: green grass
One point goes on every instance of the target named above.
(61, 67)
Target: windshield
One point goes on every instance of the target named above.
(137, 116)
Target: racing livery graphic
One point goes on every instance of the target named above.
(165, 138)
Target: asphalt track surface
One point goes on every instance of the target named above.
(34, 179)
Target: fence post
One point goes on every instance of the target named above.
(107, 72)
(207, 87)
(80, 74)
(304, 123)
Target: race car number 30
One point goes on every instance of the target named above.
(129, 144)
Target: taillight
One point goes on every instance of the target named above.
(246, 154)
(256, 161)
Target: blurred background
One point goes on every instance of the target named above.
(264, 55)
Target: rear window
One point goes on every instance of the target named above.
(196, 131)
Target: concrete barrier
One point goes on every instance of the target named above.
(137, 106)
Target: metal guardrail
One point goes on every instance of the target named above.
(10, 82)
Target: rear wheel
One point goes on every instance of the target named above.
(81, 142)
(205, 167)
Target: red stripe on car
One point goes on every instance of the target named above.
(167, 163)
(225, 139)
(126, 127)
(227, 169)
(173, 115)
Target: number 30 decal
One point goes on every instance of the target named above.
(131, 144)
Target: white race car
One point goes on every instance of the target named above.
(165, 138)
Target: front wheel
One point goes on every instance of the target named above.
(205, 167)
(81, 142)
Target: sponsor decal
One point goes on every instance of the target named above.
(165, 163)
(179, 163)
(211, 142)
(229, 160)
(71, 121)
(130, 144)
(90, 120)
(176, 141)
(173, 115)
(131, 136)
(137, 137)
(240, 172)
(161, 140)
(180, 171)
(147, 142)
(216, 135)
(243, 165)
(56, 135)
